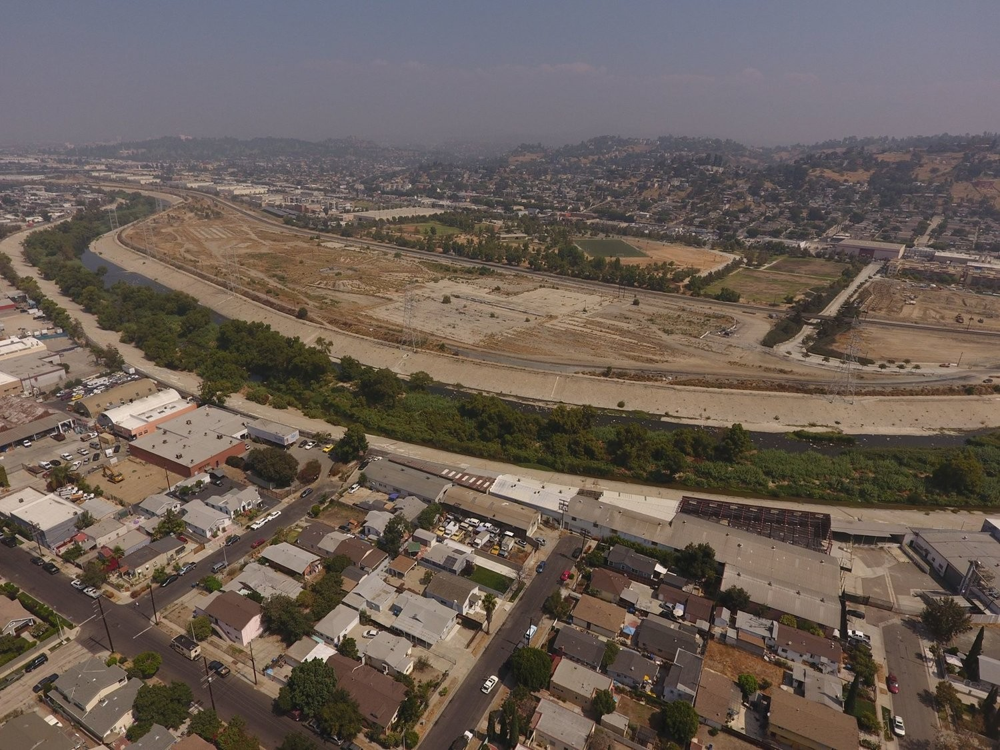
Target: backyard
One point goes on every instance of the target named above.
(490, 579)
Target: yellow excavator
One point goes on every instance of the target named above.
(112, 475)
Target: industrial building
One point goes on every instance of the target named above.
(509, 516)
(192, 443)
(865, 249)
(36, 370)
(950, 552)
(392, 478)
(144, 415)
(126, 393)
(272, 432)
(25, 419)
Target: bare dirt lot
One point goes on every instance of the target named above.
(911, 302)
(733, 662)
(683, 256)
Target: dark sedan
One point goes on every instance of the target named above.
(37, 561)
(169, 580)
(232, 540)
(50, 568)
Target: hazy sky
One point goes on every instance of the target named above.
(760, 71)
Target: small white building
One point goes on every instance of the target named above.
(203, 521)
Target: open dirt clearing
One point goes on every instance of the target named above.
(732, 662)
(815, 267)
(912, 302)
(684, 256)
(928, 348)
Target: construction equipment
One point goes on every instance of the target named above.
(112, 475)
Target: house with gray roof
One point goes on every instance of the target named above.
(632, 563)
(454, 592)
(148, 558)
(372, 594)
(97, 697)
(104, 533)
(375, 523)
(156, 505)
(157, 738)
(290, 559)
(681, 682)
(203, 521)
(632, 669)
(421, 620)
(662, 638)
(265, 581)
(449, 558)
(408, 507)
(235, 501)
(14, 617)
(100, 509)
(580, 646)
(31, 732)
(337, 624)
(576, 684)
(558, 727)
(387, 653)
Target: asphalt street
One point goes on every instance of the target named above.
(469, 703)
(905, 659)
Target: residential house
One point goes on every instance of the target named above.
(409, 507)
(99, 509)
(340, 621)
(203, 521)
(454, 592)
(13, 617)
(449, 557)
(157, 738)
(799, 723)
(132, 542)
(718, 699)
(387, 653)
(424, 538)
(423, 621)
(607, 584)
(634, 564)
(662, 638)
(157, 505)
(681, 682)
(45, 518)
(798, 645)
(598, 616)
(583, 648)
(378, 696)
(265, 581)
(351, 576)
(97, 697)
(31, 732)
(559, 728)
(373, 595)
(697, 609)
(818, 687)
(236, 617)
(235, 501)
(313, 535)
(159, 554)
(193, 742)
(400, 566)
(375, 523)
(306, 649)
(289, 559)
(104, 533)
(632, 669)
(616, 723)
(365, 556)
(576, 684)
(639, 597)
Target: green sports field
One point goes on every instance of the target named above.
(608, 248)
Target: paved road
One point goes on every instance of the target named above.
(904, 656)
(468, 703)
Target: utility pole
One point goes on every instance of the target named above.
(107, 630)
(208, 681)
(156, 617)
(253, 663)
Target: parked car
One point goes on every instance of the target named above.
(898, 728)
(75, 465)
(273, 514)
(26, 443)
(66, 456)
(50, 568)
(92, 592)
(37, 561)
(84, 451)
(42, 683)
(892, 683)
(354, 488)
(310, 445)
(540, 567)
(565, 576)
(78, 584)
(9, 541)
(181, 538)
(577, 552)
(232, 540)
(169, 580)
(45, 464)
(370, 633)
(186, 568)
(257, 543)
(35, 663)
(219, 668)
(306, 492)
(328, 447)
(491, 682)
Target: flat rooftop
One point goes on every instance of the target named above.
(194, 437)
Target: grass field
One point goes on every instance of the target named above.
(608, 248)
(424, 228)
(491, 579)
(821, 269)
(766, 286)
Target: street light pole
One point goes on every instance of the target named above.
(107, 630)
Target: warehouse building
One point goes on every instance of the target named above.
(194, 443)
(392, 478)
(25, 419)
(866, 249)
(951, 551)
(144, 415)
(36, 370)
(46, 518)
(509, 516)
(126, 393)
(273, 432)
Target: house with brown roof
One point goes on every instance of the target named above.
(798, 645)
(362, 554)
(378, 696)
(801, 723)
(718, 699)
(598, 616)
(13, 617)
(607, 584)
(697, 609)
(400, 566)
(236, 617)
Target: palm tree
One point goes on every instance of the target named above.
(489, 604)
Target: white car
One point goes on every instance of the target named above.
(92, 592)
(370, 633)
(897, 726)
(83, 451)
(272, 515)
(354, 488)
(310, 445)
(66, 456)
(74, 466)
(491, 682)
(26, 443)
(45, 465)
(259, 523)
(78, 584)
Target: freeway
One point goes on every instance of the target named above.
(469, 703)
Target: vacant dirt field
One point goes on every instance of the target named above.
(767, 287)
(928, 348)
(733, 662)
(815, 267)
(890, 299)
(684, 256)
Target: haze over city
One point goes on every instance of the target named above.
(763, 73)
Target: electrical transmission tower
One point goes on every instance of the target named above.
(409, 333)
(147, 240)
(113, 218)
